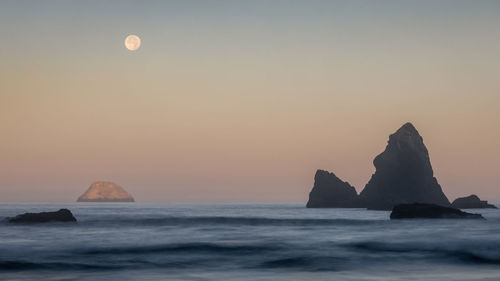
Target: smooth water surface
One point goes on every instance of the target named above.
(139, 241)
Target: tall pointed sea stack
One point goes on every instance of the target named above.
(331, 192)
(403, 174)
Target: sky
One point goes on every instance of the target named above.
(242, 101)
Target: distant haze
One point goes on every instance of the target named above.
(241, 101)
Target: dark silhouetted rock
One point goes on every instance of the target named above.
(471, 202)
(103, 191)
(331, 192)
(403, 174)
(63, 215)
(429, 211)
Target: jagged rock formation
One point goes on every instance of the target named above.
(63, 215)
(471, 202)
(429, 211)
(103, 191)
(403, 174)
(331, 192)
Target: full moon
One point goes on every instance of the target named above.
(132, 42)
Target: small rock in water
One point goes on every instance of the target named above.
(471, 202)
(429, 211)
(63, 215)
(331, 192)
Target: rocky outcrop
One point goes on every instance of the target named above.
(403, 174)
(471, 202)
(429, 211)
(331, 192)
(103, 191)
(63, 215)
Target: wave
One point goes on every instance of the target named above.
(261, 256)
(183, 248)
(468, 253)
(16, 265)
(208, 220)
(168, 256)
(307, 263)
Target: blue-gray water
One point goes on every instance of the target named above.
(135, 241)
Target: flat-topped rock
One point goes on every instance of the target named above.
(331, 192)
(471, 202)
(63, 215)
(429, 211)
(104, 191)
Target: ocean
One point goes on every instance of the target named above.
(149, 241)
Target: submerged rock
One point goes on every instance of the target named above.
(63, 215)
(103, 191)
(331, 192)
(430, 211)
(471, 202)
(403, 174)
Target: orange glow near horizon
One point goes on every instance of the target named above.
(228, 110)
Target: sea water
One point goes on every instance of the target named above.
(140, 241)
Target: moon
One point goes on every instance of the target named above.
(132, 42)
